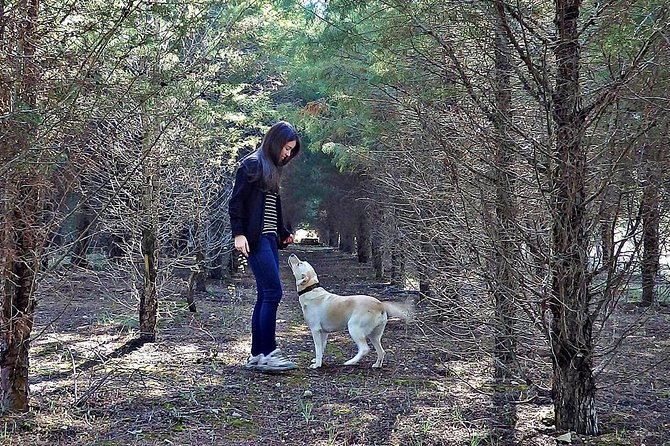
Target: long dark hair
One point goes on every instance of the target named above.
(268, 154)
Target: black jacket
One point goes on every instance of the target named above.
(247, 204)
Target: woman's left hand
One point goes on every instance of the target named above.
(288, 240)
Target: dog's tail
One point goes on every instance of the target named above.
(402, 310)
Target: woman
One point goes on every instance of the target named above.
(259, 231)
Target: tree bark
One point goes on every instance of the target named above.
(148, 293)
(148, 310)
(83, 219)
(650, 226)
(21, 239)
(363, 239)
(196, 281)
(377, 259)
(20, 266)
(571, 327)
(397, 266)
(504, 288)
(424, 276)
(347, 242)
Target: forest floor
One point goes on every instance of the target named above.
(92, 384)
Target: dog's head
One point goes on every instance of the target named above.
(302, 271)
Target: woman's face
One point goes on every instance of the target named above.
(285, 152)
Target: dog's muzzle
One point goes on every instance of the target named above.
(294, 258)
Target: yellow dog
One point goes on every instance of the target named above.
(324, 312)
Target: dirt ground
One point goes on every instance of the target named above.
(92, 384)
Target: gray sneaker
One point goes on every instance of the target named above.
(275, 362)
(252, 361)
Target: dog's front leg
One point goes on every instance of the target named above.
(317, 335)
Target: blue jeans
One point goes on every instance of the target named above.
(264, 262)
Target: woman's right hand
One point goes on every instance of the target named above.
(242, 245)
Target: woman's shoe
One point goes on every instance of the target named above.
(275, 362)
(252, 361)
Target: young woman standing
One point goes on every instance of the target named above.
(259, 231)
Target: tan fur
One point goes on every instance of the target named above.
(325, 312)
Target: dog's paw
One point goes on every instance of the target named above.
(351, 362)
(314, 365)
(376, 366)
(313, 361)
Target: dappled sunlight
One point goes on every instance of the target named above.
(91, 381)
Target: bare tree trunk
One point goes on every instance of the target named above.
(20, 197)
(397, 266)
(377, 259)
(571, 327)
(115, 247)
(148, 293)
(196, 281)
(424, 277)
(20, 267)
(650, 226)
(148, 311)
(504, 289)
(83, 220)
(608, 206)
(363, 239)
(347, 242)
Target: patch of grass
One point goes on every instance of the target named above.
(178, 427)
(341, 411)
(306, 356)
(613, 439)
(482, 440)
(125, 321)
(240, 423)
(306, 410)
(46, 349)
(337, 352)
(297, 378)
(97, 261)
(416, 383)
(634, 293)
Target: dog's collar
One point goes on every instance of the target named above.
(309, 288)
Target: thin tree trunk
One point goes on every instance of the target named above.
(333, 238)
(650, 227)
(571, 327)
(83, 220)
(148, 310)
(21, 240)
(397, 267)
(148, 293)
(377, 259)
(363, 239)
(504, 289)
(347, 242)
(608, 206)
(426, 255)
(196, 281)
(20, 267)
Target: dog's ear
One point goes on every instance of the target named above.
(302, 279)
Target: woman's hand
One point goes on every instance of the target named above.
(242, 245)
(288, 239)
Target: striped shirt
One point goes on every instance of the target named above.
(270, 213)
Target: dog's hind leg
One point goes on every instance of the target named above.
(376, 338)
(358, 335)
